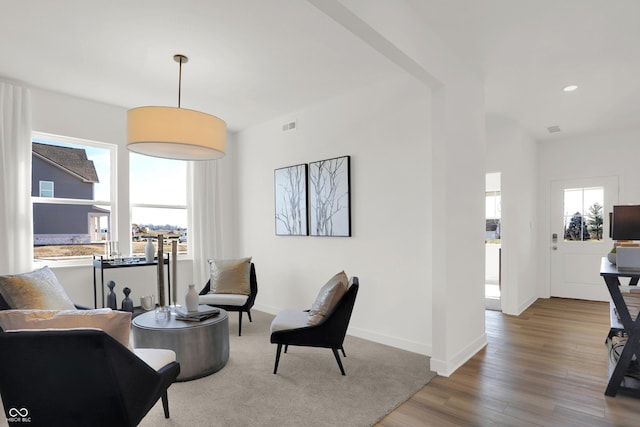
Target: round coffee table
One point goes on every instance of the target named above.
(202, 348)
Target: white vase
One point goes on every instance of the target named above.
(191, 298)
(149, 251)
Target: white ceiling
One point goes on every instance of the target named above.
(253, 60)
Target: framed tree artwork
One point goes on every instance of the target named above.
(291, 201)
(330, 197)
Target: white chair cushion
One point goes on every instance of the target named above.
(157, 358)
(289, 319)
(224, 299)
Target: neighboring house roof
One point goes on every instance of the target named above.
(72, 160)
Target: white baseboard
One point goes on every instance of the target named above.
(408, 345)
(447, 367)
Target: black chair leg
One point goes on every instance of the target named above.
(249, 314)
(337, 355)
(165, 404)
(343, 353)
(275, 368)
(286, 347)
(239, 323)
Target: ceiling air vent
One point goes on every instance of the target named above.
(289, 126)
(553, 129)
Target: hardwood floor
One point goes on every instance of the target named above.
(546, 367)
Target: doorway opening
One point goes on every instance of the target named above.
(493, 242)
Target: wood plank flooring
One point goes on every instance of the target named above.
(546, 367)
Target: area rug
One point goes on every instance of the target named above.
(307, 391)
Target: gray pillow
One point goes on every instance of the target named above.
(37, 290)
(328, 297)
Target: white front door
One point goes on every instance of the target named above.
(580, 235)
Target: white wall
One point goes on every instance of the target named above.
(457, 143)
(613, 154)
(384, 128)
(511, 151)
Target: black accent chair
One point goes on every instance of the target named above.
(329, 333)
(253, 286)
(77, 378)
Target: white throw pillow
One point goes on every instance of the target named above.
(115, 323)
(37, 290)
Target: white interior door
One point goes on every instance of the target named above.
(577, 241)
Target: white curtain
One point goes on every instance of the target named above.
(16, 215)
(205, 223)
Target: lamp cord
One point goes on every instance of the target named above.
(179, 82)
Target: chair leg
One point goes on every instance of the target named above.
(343, 353)
(286, 347)
(337, 355)
(275, 368)
(165, 404)
(239, 323)
(249, 314)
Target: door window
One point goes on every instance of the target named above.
(583, 214)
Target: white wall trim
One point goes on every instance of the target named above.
(447, 367)
(369, 335)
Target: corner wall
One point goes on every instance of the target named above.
(385, 130)
(511, 151)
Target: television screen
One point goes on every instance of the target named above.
(625, 224)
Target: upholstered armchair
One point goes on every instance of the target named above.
(234, 287)
(80, 377)
(324, 325)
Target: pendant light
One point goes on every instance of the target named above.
(175, 133)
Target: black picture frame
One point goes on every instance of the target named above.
(290, 190)
(330, 197)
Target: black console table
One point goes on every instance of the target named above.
(626, 324)
(101, 263)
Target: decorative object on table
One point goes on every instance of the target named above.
(201, 312)
(611, 256)
(161, 298)
(191, 299)
(111, 296)
(330, 197)
(162, 313)
(147, 302)
(174, 271)
(111, 249)
(127, 304)
(149, 251)
(290, 185)
(175, 133)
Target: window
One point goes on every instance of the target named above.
(158, 191)
(583, 220)
(73, 222)
(46, 188)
